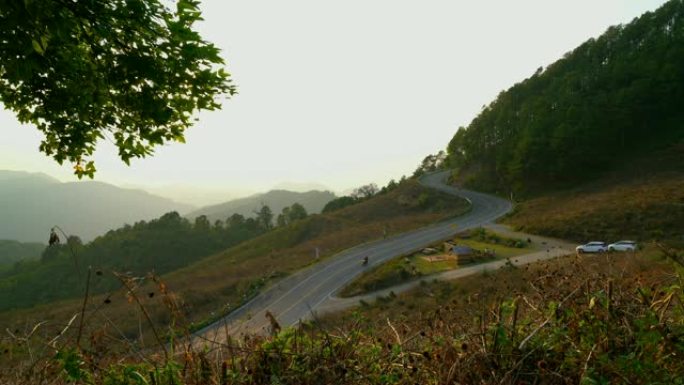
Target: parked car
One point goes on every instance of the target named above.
(592, 247)
(623, 246)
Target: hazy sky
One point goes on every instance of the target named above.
(343, 93)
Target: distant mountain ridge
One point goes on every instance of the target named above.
(33, 202)
(313, 201)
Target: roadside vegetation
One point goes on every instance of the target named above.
(615, 318)
(217, 284)
(485, 244)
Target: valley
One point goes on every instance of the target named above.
(494, 262)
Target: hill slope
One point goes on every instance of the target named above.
(313, 202)
(33, 203)
(13, 251)
(609, 101)
(651, 208)
(222, 281)
(160, 245)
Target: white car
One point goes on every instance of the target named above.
(623, 246)
(592, 247)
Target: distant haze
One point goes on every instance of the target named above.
(205, 196)
(34, 203)
(194, 195)
(313, 201)
(300, 186)
(342, 93)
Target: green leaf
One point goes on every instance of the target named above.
(37, 47)
(143, 96)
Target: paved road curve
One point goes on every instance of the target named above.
(300, 295)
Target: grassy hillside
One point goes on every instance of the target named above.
(608, 102)
(221, 282)
(646, 209)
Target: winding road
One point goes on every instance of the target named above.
(302, 294)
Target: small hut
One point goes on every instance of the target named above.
(463, 254)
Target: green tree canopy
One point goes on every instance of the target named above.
(131, 71)
(264, 217)
(339, 203)
(291, 214)
(431, 163)
(202, 223)
(283, 217)
(365, 191)
(297, 212)
(612, 100)
(235, 220)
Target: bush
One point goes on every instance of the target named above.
(424, 199)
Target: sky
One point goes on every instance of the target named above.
(341, 93)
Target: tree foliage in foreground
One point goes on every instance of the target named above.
(131, 71)
(610, 100)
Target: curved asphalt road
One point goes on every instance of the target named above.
(298, 296)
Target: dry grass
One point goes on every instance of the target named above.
(643, 210)
(591, 319)
(616, 318)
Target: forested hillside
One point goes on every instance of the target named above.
(160, 245)
(610, 102)
(13, 251)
